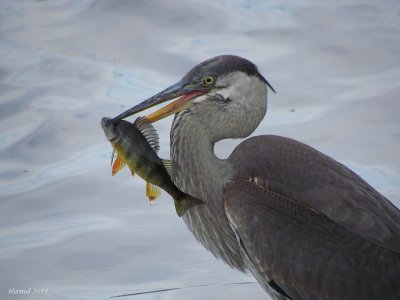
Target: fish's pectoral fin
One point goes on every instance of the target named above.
(148, 131)
(112, 156)
(171, 167)
(132, 172)
(117, 166)
(152, 191)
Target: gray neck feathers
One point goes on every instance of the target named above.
(202, 175)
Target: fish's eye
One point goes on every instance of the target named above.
(208, 80)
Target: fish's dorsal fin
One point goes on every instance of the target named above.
(117, 166)
(152, 191)
(148, 131)
(171, 167)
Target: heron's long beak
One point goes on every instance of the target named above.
(179, 89)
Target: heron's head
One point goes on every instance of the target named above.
(226, 93)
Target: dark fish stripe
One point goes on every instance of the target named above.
(155, 173)
(139, 165)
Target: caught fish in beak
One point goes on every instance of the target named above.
(136, 146)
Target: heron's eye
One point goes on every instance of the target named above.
(208, 80)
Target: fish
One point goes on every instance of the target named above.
(136, 145)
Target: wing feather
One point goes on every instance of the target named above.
(303, 252)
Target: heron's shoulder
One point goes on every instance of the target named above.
(266, 149)
(272, 142)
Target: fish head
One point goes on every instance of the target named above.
(119, 130)
(110, 130)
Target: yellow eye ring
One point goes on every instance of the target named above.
(208, 80)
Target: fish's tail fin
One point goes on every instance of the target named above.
(185, 203)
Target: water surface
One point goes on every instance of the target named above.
(67, 226)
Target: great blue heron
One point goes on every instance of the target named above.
(304, 225)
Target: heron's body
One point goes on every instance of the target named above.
(303, 224)
(311, 245)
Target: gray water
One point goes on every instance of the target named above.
(69, 227)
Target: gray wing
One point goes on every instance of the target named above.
(299, 253)
(299, 172)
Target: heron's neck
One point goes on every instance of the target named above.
(200, 169)
(203, 175)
